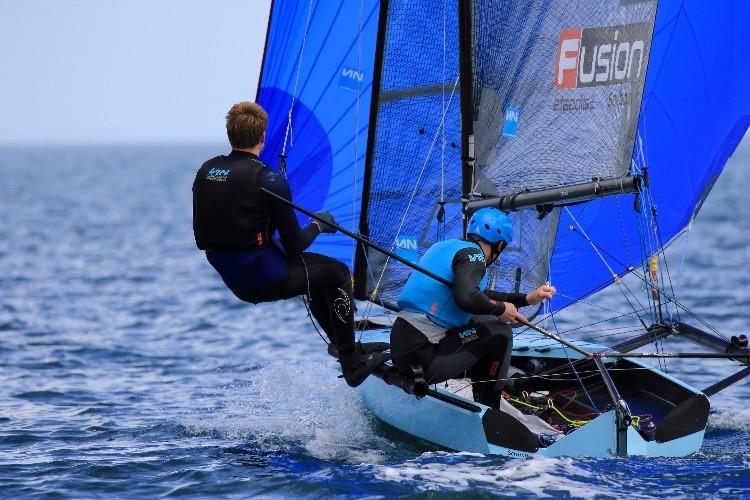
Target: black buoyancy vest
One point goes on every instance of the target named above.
(229, 211)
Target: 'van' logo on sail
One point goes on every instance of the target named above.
(602, 56)
(407, 247)
(350, 78)
(510, 125)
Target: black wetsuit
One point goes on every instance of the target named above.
(480, 349)
(235, 223)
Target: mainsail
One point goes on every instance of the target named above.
(414, 162)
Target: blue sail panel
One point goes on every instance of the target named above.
(696, 109)
(319, 62)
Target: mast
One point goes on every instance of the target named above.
(360, 257)
(465, 62)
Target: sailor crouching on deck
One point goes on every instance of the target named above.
(234, 222)
(436, 328)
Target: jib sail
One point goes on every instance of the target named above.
(318, 65)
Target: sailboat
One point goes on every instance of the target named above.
(599, 126)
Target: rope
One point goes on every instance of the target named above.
(550, 406)
(288, 131)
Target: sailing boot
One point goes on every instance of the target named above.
(485, 393)
(357, 367)
(362, 348)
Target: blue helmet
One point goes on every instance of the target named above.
(491, 225)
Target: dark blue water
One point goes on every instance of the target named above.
(127, 370)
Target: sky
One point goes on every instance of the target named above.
(126, 71)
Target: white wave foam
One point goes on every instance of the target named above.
(734, 418)
(284, 405)
(539, 476)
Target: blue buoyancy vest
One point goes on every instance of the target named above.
(427, 295)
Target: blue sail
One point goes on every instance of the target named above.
(696, 109)
(318, 62)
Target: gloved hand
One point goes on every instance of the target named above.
(328, 217)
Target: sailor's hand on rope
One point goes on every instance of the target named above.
(327, 217)
(544, 292)
(511, 314)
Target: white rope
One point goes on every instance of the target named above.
(288, 131)
(611, 271)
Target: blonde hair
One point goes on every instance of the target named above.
(246, 122)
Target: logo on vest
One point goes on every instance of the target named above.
(468, 335)
(476, 257)
(217, 174)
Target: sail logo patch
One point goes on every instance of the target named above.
(510, 124)
(350, 78)
(589, 57)
(407, 247)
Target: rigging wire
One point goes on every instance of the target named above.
(584, 374)
(288, 133)
(650, 256)
(441, 202)
(617, 278)
(682, 263)
(370, 303)
(547, 310)
(670, 298)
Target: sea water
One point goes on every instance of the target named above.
(128, 370)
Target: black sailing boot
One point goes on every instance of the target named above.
(362, 347)
(357, 367)
(486, 394)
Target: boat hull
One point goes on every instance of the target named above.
(473, 427)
